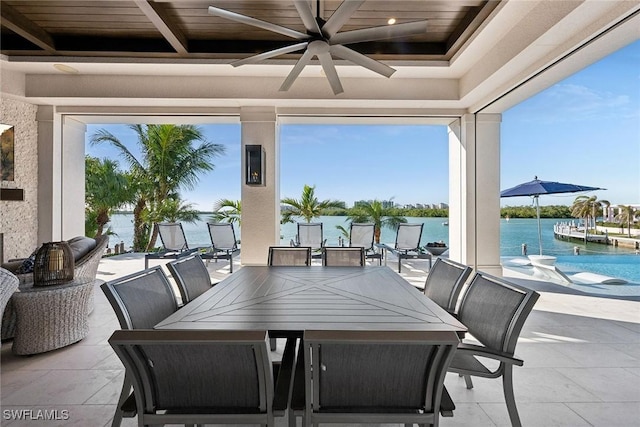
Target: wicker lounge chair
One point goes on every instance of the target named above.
(494, 311)
(86, 266)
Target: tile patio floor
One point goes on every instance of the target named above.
(581, 353)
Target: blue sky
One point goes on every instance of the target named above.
(583, 130)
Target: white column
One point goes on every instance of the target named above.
(474, 191)
(73, 178)
(260, 204)
(49, 178)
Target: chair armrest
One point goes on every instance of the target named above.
(285, 378)
(500, 356)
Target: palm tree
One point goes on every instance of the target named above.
(227, 211)
(587, 207)
(379, 216)
(308, 207)
(169, 163)
(106, 189)
(627, 215)
(175, 210)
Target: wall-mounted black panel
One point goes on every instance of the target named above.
(255, 165)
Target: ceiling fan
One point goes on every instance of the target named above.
(324, 40)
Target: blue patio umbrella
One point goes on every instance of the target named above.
(537, 187)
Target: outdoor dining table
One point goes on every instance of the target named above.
(289, 300)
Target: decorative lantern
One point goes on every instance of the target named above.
(53, 265)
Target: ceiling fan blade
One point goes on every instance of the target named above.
(243, 19)
(295, 72)
(330, 72)
(362, 60)
(340, 17)
(380, 33)
(304, 10)
(270, 54)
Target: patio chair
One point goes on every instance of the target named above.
(343, 257)
(140, 301)
(174, 243)
(445, 281)
(310, 234)
(203, 377)
(223, 242)
(191, 276)
(8, 285)
(371, 377)
(289, 256)
(407, 244)
(494, 311)
(362, 234)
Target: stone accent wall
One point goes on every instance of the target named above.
(19, 219)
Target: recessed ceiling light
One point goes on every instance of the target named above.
(391, 21)
(65, 69)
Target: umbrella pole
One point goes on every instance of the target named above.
(539, 230)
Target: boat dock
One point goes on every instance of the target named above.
(565, 231)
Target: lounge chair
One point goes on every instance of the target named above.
(494, 311)
(174, 243)
(310, 234)
(223, 242)
(362, 234)
(407, 244)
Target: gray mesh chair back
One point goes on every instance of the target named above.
(445, 281)
(140, 301)
(223, 236)
(408, 237)
(375, 377)
(223, 242)
(198, 376)
(343, 257)
(494, 311)
(191, 276)
(172, 236)
(362, 235)
(289, 256)
(310, 234)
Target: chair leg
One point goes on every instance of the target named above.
(509, 397)
(468, 382)
(124, 394)
(273, 343)
(230, 263)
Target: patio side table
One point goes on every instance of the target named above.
(51, 317)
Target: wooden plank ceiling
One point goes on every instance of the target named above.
(184, 29)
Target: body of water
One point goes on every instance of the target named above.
(595, 258)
